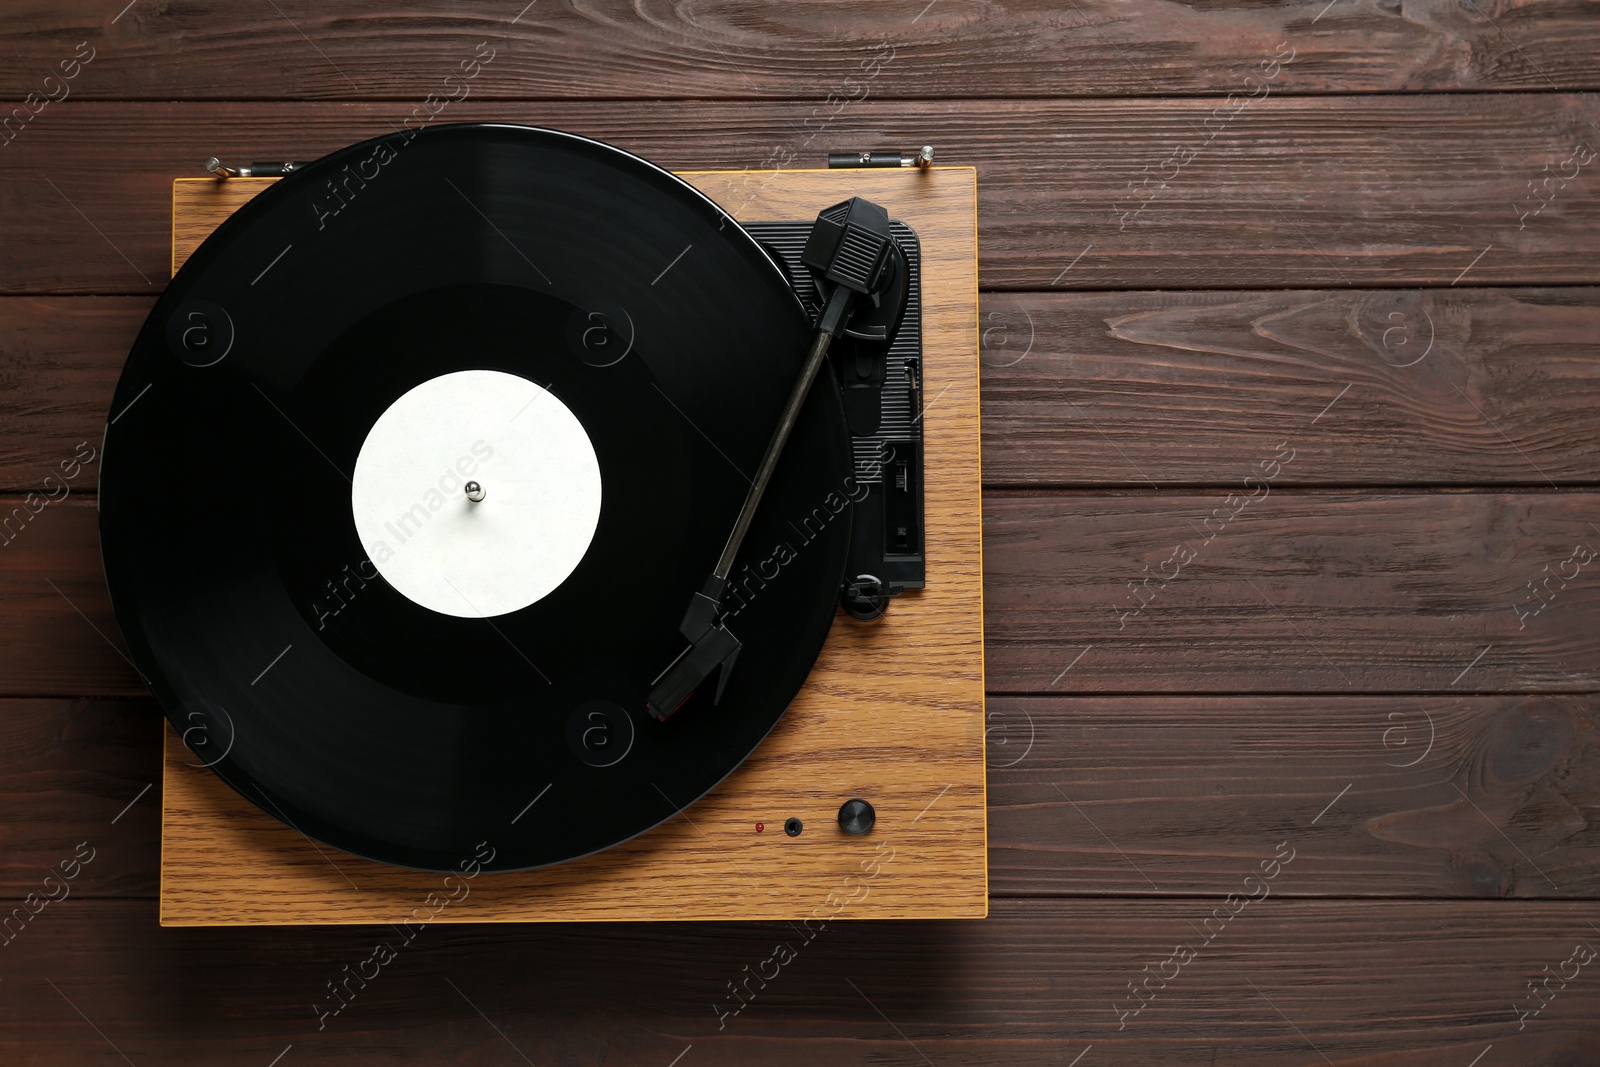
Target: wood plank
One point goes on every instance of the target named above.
(60, 358)
(59, 636)
(1297, 592)
(378, 50)
(1353, 593)
(1104, 389)
(80, 770)
(1376, 984)
(1179, 787)
(1392, 796)
(1386, 387)
(1374, 191)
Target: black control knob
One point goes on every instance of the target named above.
(856, 817)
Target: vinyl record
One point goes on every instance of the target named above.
(330, 620)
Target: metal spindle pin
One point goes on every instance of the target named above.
(475, 492)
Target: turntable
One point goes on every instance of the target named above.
(515, 531)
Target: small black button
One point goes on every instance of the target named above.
(793, 826)
(856, 817)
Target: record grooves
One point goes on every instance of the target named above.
(477, 265)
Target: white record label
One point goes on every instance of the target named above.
(541, 493)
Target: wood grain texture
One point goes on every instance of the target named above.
(224, 861)
(74, 771)
(1362, 983)
(60, 637)
(1088, 795)
(1190, 782)
(200, 205)
(1386, 387)
(1383, 796)
(1354, 592)
(958, 48)
(60, 358)
(1298, 592)
(1374, 191)
(1104, 389)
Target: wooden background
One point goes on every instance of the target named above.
(1348, 269)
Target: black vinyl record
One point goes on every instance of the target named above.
(261, 616)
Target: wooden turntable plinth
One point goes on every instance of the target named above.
(893, 711)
